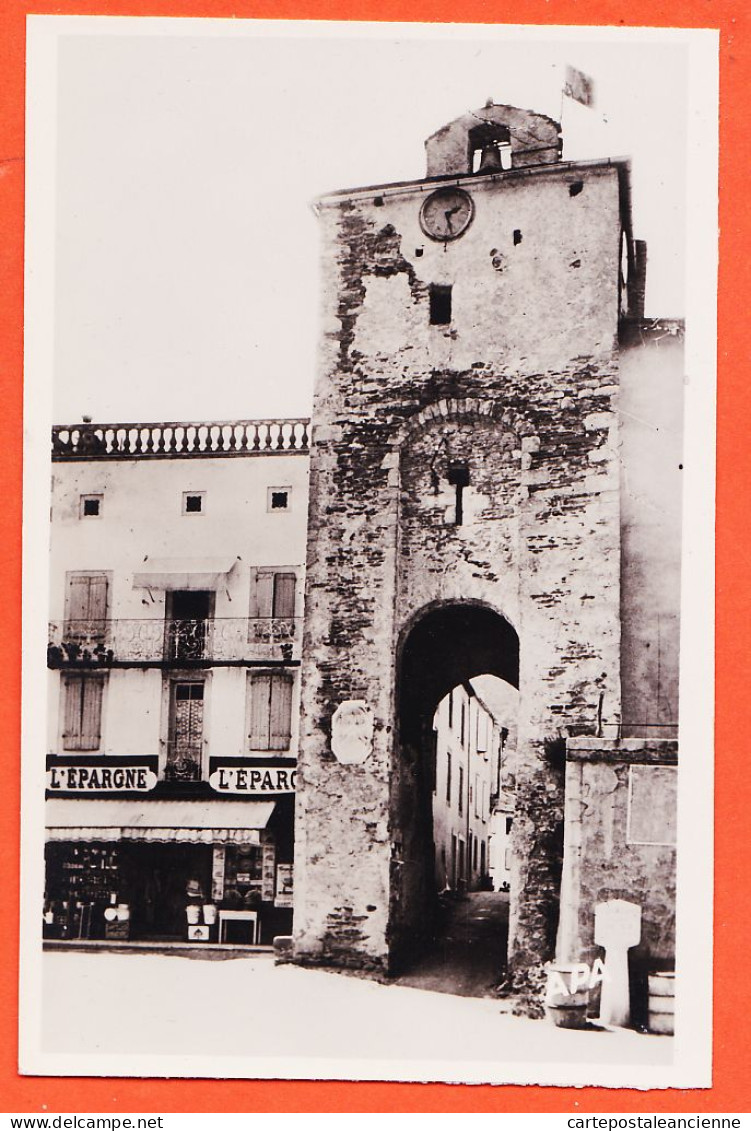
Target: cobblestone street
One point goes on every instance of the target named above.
(468, 956)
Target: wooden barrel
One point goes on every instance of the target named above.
(566, 998)
(662, 1002)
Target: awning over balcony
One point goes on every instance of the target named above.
(183, 573)
(184, 822)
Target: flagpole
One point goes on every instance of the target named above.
(560, 119)
(579, 88)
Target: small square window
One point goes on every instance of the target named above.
(91, 506)
(279, 498)
(193, 502)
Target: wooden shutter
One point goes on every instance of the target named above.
(78, 597)
(83, 713)
(72, 724)
(260, 696)
(87, 597)
(97, 608)
(270, 711)
(265, 594)
(87, 607)
(284, 596)
(97, 597)
(280, 711)
(91, 713)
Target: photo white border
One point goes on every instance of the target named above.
(692, 1058)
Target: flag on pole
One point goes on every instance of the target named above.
(579, 86)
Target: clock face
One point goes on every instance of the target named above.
(446, 214)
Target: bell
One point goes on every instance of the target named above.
(490, 159)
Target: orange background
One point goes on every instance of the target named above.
(732, 1014)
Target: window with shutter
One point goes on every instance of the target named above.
(260, 695)
(83, 712)
(280, 711)
(270, 711)
(265, 594)
(86, 607)
(272, 605)
(283, 605)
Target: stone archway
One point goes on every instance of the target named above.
(444, 645)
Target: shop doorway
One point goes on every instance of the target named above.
(159, 876)
(445, 791)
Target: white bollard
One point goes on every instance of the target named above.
(617, 928)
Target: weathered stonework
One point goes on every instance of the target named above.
(518, 393)
(620, 842)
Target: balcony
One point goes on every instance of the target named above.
(215, 640)
(183, 763)
(180, 440)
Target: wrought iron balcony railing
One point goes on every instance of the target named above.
(182, 764)
(179, 440)
(152, 640)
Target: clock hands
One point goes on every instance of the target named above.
(449, 213)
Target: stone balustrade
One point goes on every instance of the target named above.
(180, 440)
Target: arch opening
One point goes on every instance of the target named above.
(457, 678)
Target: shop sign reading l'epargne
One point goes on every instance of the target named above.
(253, 779)
(103, 774)
(100, 779)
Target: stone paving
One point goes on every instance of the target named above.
(468, 957)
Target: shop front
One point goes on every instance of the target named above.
(127, 871)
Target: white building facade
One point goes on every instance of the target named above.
(468, 766)
(177, 570)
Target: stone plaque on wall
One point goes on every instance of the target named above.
(352, 732)
(652, 805)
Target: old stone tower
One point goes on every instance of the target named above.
(464, 518)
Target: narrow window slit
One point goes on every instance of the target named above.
(440, 304)
(458, 477)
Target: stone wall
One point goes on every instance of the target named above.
(521, 387)
(620, 844)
